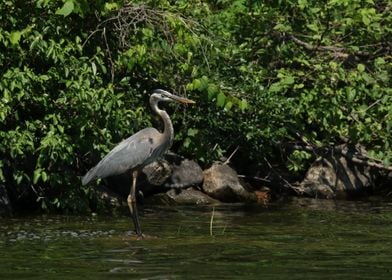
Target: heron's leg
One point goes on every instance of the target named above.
(132, 204)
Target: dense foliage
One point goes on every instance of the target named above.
(267, 76)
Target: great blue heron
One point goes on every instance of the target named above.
(142, 148)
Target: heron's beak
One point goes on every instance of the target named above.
(182, 99)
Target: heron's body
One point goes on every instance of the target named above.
(132, 153)
(137, 151)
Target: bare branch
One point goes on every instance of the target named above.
(286, 183)
(129, 19)
(337, 51)
(358, 158)
(232, 154)
(109, 54)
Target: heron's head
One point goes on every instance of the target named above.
(163, 95)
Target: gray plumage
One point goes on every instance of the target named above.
(136, 151)
(140, 149)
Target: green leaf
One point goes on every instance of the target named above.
(212, 91)
(94, 68)
(282, 27)
(379, 61)
(15, 37)
(228, 105)
(196, 83)
(192, 131)
(189, 86)
(111, 6)
(299, 86)
(221, 99)
(203, 83)
(37, 175)
(66, 10)
(243, 105)
(44, 176)
(289, 80)
(351, 95)
(313, 27)
(302, 4)
(187, 142)
(275, 87)
(44, 77)
(361, 67)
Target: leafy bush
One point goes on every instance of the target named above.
(266, 76)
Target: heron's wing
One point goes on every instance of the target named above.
(137, 150)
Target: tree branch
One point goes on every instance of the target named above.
(354, 157)
(338, 51)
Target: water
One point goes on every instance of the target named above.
(305, 239)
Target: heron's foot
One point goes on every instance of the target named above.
(139, 235)
(132, 235)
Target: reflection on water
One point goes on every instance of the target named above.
(306, 238)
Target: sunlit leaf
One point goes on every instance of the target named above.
(313, 27)
(15, 37)
(37, 175)
(228, 105)
(94, 68)
(244, 105)
(361, 67)
(220, 101)
(192, 131)
(66, 9)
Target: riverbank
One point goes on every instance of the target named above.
(176, 180)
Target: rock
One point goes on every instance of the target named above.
(110, 198)
(263, 196)
(335, 176)
(187, 174)
(157, 172)
(188, 196)
(5, 204)
(221, 182)
(153, 175)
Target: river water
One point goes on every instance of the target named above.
(303, 239)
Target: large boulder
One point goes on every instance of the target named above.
(188, 196)
(157, 172)
(110, 199)
(336, 176)
(221, 182)
(188, 173)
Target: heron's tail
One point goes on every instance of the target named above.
(90, 176)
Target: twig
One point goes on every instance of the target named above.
(212, 220)
(224, 229)
(91, 35)
(232, 154)
(371, 105)
(39, 197)
(109, 54)
(296, 189)
(255, 178)
(338, 51)
(125, 21)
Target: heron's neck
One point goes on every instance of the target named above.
(168, 131)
